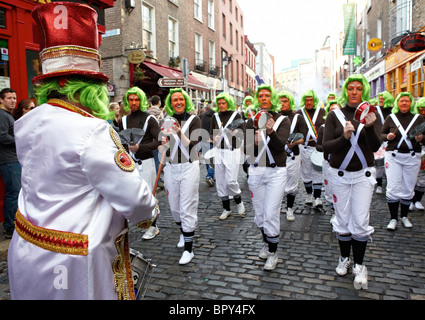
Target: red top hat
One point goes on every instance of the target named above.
(68, 41)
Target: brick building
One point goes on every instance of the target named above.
(166, 33)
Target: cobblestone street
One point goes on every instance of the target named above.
(226, 263)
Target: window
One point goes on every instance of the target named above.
(224, 26)
(237, 40)
(231, 32)
(197, 9)
(172, 38)
(211, 15)
(2, 19)
(211, 53)
(148, 28)
(198, 48)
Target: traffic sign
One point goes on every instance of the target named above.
(171, 82)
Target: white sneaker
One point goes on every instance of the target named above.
(378, 190)
(225, 214)
(151, 233)
(411, 206)
(186, 257)
(343, 265)
(241, 208)
(283, 210)
(271, 261)
(419, 206)
(263, 252)
(309, 199)
(180, 244)
(406, 223)
(317, 203)
(360, 276)
(290, 215)
(392, 225)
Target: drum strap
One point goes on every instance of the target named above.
(266, 142)
(380, 114)
(354, 144)
(404, 132)
(145, 127)
(293, 125)
(312, 132)
(178, 143)
(223, 136)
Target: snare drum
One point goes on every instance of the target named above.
(317, 159)
(140, 270)
(362, 111)
(423, 161)
(168, 127)
(260, 119)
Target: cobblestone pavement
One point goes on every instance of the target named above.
(226, 263)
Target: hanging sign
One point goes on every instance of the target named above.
(136, 57)
(414, 42)
(374, 45)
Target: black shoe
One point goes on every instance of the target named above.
(8, 235)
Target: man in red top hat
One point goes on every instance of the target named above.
(79, 185)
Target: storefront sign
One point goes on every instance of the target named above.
(417, 64)
(414, 42)
(136, 57)
(375, 72)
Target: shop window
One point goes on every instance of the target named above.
(33, 69)
(2, 19)
(418, 83)
(4, 64)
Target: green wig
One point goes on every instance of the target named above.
(231, 103)
(247, 98)
(274, 98)
(330, 103)
(91, 93)
(332, 94)
(388, 99)
(412, 100)
(144, 105)
(309, 93)
(420, 104)
(248, 109)
(169, 108)
(286, 94)
(366, 88)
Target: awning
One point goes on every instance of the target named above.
(169, 72)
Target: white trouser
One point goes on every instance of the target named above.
(308, 173)
(267, 186)
(402, 172)
(352, 195)
(147, 171)
(328, 186)
(227, 165)
(181, 181)
(293, 169)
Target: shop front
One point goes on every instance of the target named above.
(405, 72)
(376, 77)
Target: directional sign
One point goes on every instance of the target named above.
(171, 82)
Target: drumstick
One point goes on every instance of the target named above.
(395, 131)
(161, 165)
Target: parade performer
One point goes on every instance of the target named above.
(182, 173)
(314, 117)
(402, 157)
(142, 152)
(420, 182)
(248, 107)
(293, 159)
(383, 108)
(265, 149)
(351, 145)
(228, 155)
(79, 185)
(332, 105)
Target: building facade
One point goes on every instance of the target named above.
(250, 63)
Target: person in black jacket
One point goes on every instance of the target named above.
(204, 146)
